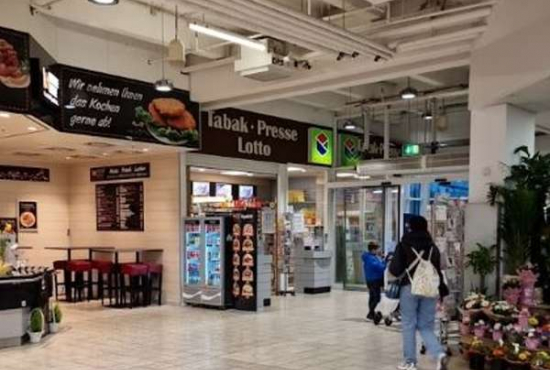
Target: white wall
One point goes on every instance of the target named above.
(162, 215)
(293, 111)
(53, 211)
(513, 53)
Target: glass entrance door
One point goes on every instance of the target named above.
(369, 214)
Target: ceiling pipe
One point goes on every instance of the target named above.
(306, 30)
(377, 48)
(238, 20)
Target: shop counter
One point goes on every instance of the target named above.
(27, 289)
(313, 272)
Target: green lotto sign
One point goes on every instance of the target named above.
(321, 144)
(350, 149)
(411, 150)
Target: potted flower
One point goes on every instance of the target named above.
(518, 359)
(532, 342)
(476, 355)
(475, 302)
(479, 329)
(503, 310)
(57, 316)
(511, 290)
(528, 277)
(36, 325)
(497, 357)
(465, 326)
(498, 332)
(540, 361)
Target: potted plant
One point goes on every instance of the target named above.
(540, 361)
(36, 325)
(511, 291)
(57, 316)
(518, 359)
(476, 355)
(483, 261)
(497, 357)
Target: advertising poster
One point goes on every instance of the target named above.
(15, 78)
(8, 225)
(350, 150)
(28, 216)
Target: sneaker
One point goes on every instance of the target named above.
(369, 317)
(443, 362)
(406, 366)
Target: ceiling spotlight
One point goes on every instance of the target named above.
(377, 58)
(354, 54)
(104, 2)
(340, 56)
(428, 116)
(164, 85)
(349, 125)
(296, 169)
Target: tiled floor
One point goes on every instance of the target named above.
(305, 332)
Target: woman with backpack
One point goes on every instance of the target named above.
(417, 265)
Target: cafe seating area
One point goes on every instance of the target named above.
(104, 275)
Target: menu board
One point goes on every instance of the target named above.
(15, 77)
(99, 104)
(244, 247)
(20, 173)
(119, 207)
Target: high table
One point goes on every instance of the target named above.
(69, 250)
(139, 253)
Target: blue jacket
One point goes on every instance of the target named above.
(373, 267)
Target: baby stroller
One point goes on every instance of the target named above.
(388, 309)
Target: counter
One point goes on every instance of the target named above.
(313, 272)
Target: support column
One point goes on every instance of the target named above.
(496, 132)
(386, 133)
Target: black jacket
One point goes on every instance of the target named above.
(404, 256)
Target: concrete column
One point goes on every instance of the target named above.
(496, 132)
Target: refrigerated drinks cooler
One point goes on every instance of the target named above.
(203, 261)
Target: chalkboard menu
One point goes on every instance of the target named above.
(119, 207)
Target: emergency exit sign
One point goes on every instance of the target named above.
(411, 150)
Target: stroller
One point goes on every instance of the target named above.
(388, 309)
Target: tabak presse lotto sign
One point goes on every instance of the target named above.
(98, 104)
(248, 135)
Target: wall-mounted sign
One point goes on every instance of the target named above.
(19, 173)
(15, 76)
(411, 150)
(28, 216)
(350, 149)
(99, 104)
(123, 172)
(241, 134)
(321, 144)
(119, 207)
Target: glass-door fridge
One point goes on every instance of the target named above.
(204, 261)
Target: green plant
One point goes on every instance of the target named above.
(483, 262)
(37, 321)
(3, 246)
(57, 314)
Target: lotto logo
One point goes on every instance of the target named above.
(350, 148)
(322, 143)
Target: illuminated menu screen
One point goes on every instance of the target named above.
(119, 207)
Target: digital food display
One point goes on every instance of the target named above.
(248, 290)
(224, 190)
(236, 245)
(169, 121)
(246, 191)
(248, 245)
(201, 189)
(248, 274)
(248, 260)
(14, 72)
(27, 220)
(237, 230)
(248, 230)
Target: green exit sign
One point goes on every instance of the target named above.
(411, 150)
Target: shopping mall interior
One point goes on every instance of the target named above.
(241, 184)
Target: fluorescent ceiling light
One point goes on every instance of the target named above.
(377, 191)
(350, 125)
(364, 177)
(228, 36)
(296, 169)
(345, 174)
(236, 173)
(32, 128)
(4, 115)
(164, 85)
(104, 2)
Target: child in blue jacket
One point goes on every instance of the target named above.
(374, 267)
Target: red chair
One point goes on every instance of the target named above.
(57, 267)
(105, 269)
(137, 274)
(155, 273)
(79, 283)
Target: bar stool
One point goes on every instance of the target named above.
(104, 269)
(155, 273)
(79, 267)
(57, 267)
(137, 278)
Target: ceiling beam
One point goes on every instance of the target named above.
(347, 94)
(428, 80)
(312, 104)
